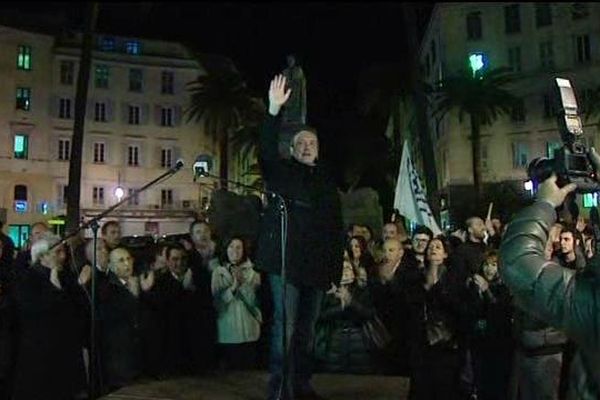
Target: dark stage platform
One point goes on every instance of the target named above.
(251, 385)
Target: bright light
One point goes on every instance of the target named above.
(476, 62)
(528, 185)
(119, 193)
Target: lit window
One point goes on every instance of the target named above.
(101, 76)
(21, 146)
(107, 44)
(133, 47)
(24, 58)
(23, 98)
(590, 200)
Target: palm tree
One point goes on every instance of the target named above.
(484, 97)
(222, 101)
(83, 78)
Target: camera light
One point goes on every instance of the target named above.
(528, 185)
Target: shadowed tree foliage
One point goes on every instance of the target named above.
(484, 96)
(222, 102)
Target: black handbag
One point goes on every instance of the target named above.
(437, 331)
(377, 335)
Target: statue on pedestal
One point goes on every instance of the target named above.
(294, 111)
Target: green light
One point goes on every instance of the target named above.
(476, 62)
(19, 143)
(590, 200)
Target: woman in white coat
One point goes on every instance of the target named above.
(234, 286)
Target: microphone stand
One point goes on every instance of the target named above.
(283, 225)
(93, 224)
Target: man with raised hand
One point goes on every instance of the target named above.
(314, 250)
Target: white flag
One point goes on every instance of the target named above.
(410, 199)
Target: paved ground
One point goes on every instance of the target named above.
(251, 386)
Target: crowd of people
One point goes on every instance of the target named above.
(179, 308)
(430, 308)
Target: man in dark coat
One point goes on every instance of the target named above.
(119, 311)
(50, 312)
(314, 249)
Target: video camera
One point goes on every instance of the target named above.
(571, 162)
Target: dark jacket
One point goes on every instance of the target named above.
(119, 321)
(468, 258)
(341, 345)
(50, 361)
(561, 297)
(185, 339)
(315, 229)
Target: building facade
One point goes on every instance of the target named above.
(135, 130)
(539, 42)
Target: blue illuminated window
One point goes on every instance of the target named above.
(107, 44)
(133, 47)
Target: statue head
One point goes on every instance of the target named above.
(291, 60)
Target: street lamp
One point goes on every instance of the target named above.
(477, 62)
(119, 193)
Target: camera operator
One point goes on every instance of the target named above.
(561, 297)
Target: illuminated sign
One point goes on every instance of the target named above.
(20, 206)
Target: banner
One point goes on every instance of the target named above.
(410, 199)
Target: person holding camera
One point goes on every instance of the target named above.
(559, 296)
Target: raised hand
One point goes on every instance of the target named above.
(481, 283)
(277, 94)
(147, 281)
(549, 192)
(188, 283)
(85, 275)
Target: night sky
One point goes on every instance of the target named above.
(335, 43)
